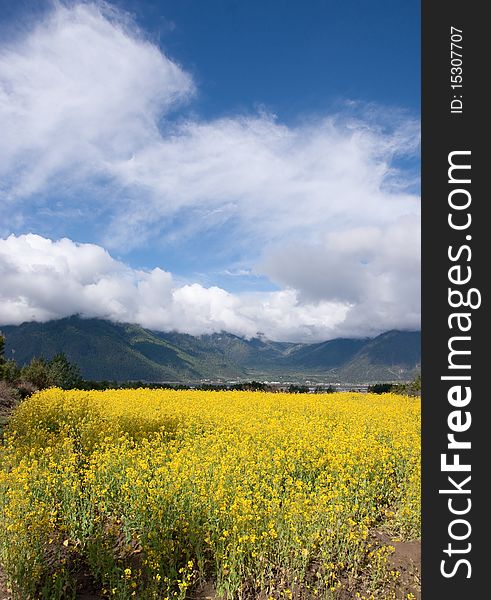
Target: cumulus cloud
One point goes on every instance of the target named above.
(374, 270)
(89, 109)
(44, 279)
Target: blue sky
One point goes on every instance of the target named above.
(295, 58)
(263, 154)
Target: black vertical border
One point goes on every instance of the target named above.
(444, 132)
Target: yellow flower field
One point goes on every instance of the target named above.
(148, 493)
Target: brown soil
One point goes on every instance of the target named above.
(4, 592)
(406, 559)
(204, 592)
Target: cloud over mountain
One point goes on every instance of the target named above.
(43, 280)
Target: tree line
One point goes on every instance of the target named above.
(41, 373)
(412, 388)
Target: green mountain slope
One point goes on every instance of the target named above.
(256, 353)
(114, 351)
(326, 355)
(389, 356)
(103, 350)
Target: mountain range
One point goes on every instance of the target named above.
(104, 350)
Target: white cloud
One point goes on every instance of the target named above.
(375, 270)
(44, 279)
(270, 179)
(81, 87)
(319, 207)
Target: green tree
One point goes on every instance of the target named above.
(380, 388)
(416, 385)
(63, 373)
(298, 389)
(37, 373)
(10, 371)
(412, 388)
(2, 349)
